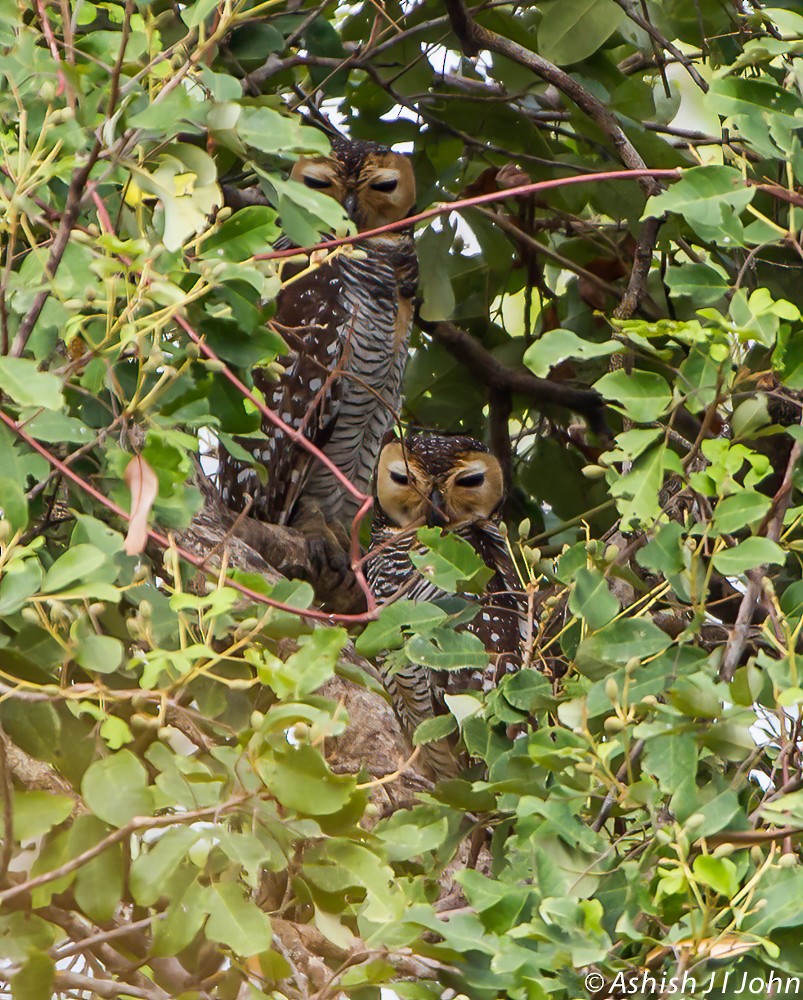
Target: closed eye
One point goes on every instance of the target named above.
(400, 478)
(390, 185)
(475, 479)
(319, 183)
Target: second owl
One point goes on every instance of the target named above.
(454, 483)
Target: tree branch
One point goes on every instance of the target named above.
(772, 529)
(542, 391)
(474, 38)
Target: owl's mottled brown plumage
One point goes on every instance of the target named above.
(452, 482)
(347, 323)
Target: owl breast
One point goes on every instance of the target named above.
(372, 353)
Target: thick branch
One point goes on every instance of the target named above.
(474, 38)
(543, 392)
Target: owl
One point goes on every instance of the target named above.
(347, 323)
(451, 482)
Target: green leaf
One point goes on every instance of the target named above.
(77, 563)
(433, 260)
(591, 599)
(642, 396)
(445, 649)
(184, 917)
(99, 882)
(235, 921)
(250, 231)
(555, 346)
(749, 554)
(387, 631)
(664, 554)
(35, 813)
(709, 198)
(194, 14)
(670, 759)
(618, 642)
(740, 511)
(301, 780)
(572, 30)
(777, 902)
(100, 654)
(115, 788)
(718, 874)
(272, 132)
(35, 980)
(53, 427)
(13, 504)
(637, 491)
(152, 869)
(706, 284)
(450, 562)
(26, 385)
(527, 690)
(21, 934)
(20, 581)
(434, 729)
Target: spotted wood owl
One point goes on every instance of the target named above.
(347, 323)
(454, 483)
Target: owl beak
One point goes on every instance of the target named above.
(436, 518)
(350, 205)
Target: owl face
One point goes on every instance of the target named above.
(375, 185)
(439, 481)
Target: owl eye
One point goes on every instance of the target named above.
(390, 185)
(319, 183)
(475, 479)
(400, 478)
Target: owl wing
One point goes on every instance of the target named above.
(308, 315)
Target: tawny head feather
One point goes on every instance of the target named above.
(375, 185)
(438, 480)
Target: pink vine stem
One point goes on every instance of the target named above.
(444, 208)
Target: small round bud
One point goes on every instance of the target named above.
(524, 528)
(695, 820)
(611, 553)
(593, 471)
(31, 615)
(5, 530)
(257, 718)
(145, 608)
(789, 860)
(300, 732)
(723, 850)
(612, 689)
(613, 724)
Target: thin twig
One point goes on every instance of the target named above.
(771, 528)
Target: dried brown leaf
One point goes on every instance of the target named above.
(143, 485)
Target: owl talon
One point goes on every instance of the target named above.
(334, 580)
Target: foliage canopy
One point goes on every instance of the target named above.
(176, 824)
